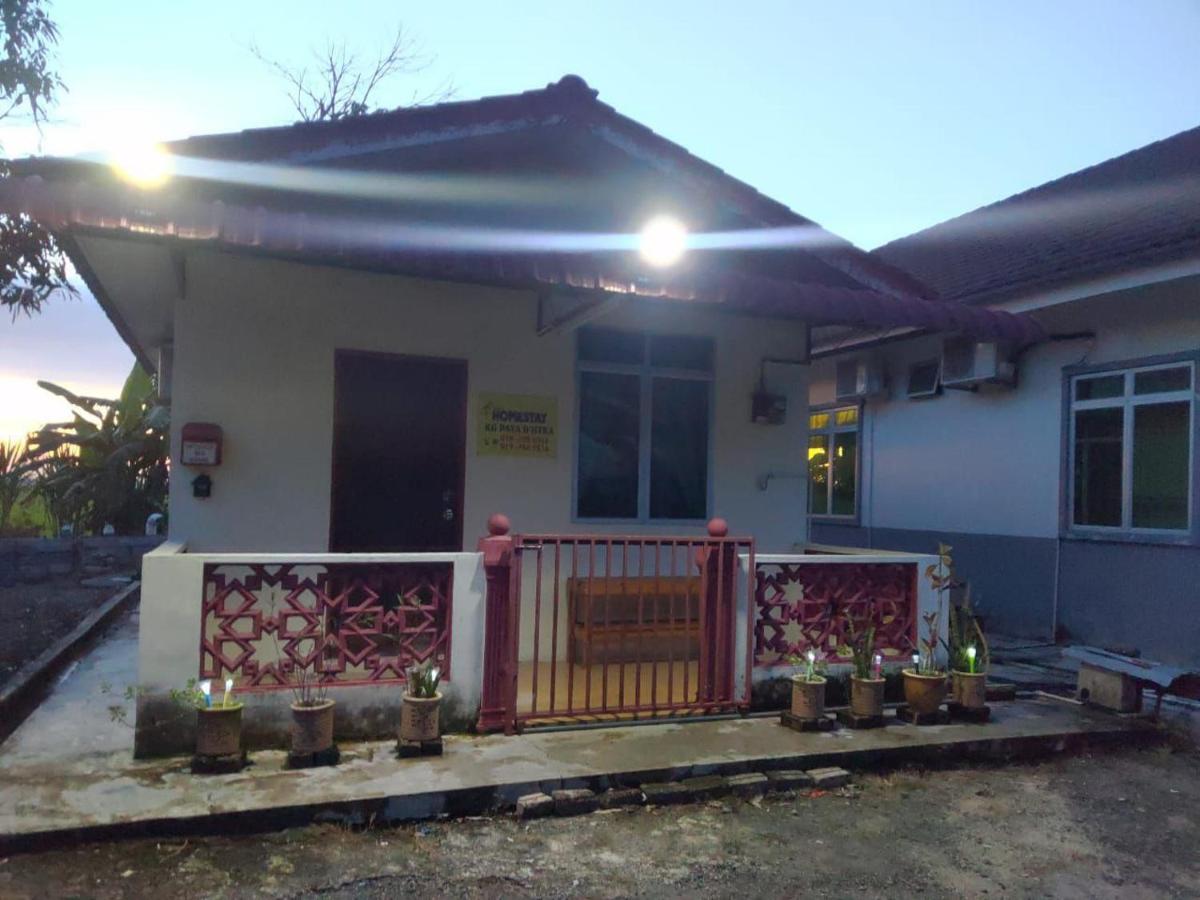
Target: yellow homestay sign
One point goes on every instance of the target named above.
(517, 425)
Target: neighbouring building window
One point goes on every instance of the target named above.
(1131, 448)
(833, 462)
(644, 412)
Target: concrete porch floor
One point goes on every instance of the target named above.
(68, 773)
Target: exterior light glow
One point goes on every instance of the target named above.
(146, 165)
(971, 658)
(663, 241)
(206, 690)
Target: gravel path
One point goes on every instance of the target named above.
(1120, 825)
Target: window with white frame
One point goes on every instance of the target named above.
(1132, 459)
(833, 462)
(644, 413)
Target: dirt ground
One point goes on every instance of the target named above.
(1121, 825)
(36, 615)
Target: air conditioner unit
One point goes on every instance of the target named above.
(967, 364)
(857, 378)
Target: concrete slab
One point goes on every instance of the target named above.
(43, 798)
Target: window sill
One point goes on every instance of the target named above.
(825, 519)
(1118, 536)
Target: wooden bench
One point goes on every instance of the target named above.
(606, 625)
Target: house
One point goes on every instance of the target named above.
(377, 334)
(1064, 474)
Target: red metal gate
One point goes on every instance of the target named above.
(593, 628)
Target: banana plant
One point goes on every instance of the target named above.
(108, 465)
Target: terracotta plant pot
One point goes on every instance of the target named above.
(312, 728)
(924, 693)
(219, 730)
(808, 698)
(420, 718)
(866, 696)
(970, 689)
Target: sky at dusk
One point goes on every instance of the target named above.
(873, 119)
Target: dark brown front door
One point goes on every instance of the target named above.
(399, 446)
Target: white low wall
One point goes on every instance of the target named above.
(927, 601)
(171, 626)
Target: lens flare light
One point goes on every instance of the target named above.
(147, 165)
(663, 241)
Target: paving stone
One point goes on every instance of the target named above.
(621, 797)
(748, 784)
(703, 787)
(534, 806)
(574, 802)
(665, 793)
(788, 779)
(831, 777)
(1001, 693)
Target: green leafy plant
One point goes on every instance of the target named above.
(13, 470)
(813, 668)
(860, 636)
(423, 680)
(941, 578)
(32, 265)
(966, 632)
(189, 697)
(109, 464)
(308, 681)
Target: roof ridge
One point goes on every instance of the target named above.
(570, 86)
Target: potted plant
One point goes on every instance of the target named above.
(311, 732)
(968, 651)
(218, 735)
(808, 688)
(420, 720)
(312, 723)
(925, 682)
(218, 725)
(866, 681)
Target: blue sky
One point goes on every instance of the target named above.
(874, 119)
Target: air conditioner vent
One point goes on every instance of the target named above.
(967, 364)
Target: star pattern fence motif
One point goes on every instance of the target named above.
(807, 606)
(348, 623)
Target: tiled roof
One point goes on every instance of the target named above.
(568, 99)
(838, 284)
(1135, 211)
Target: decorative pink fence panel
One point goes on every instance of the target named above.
(352, 623)
(805, 606)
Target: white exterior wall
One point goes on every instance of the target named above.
(254, 353)
(989, 462)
